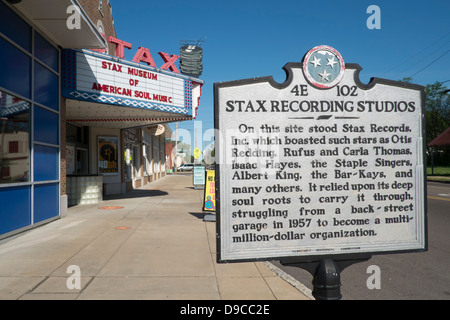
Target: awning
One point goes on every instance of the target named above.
(441, 140)
(105, 115)
(51, 16)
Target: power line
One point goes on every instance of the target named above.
(410, 67)
(419, 56)
(430, 63)
(422, 51)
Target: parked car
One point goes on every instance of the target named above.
(186, 167)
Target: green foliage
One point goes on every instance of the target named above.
(437, 113)
(437, 108)
(439, 171)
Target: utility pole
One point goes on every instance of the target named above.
(195, 142)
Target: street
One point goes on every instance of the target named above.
(408, 276)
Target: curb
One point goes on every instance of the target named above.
(292, 281)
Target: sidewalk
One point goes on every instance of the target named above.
(155, 247)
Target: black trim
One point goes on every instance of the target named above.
(217, 156)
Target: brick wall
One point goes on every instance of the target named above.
(92, 8)
(98, 17)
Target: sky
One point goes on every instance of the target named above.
(246, 39)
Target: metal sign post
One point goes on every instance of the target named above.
(326, 272)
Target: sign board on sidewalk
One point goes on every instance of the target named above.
(198, 176)
(321, 164)
(209, 199)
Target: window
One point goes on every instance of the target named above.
(29, 124)
(46, 52)
(14, 147)
(46, 163)
(100, 6)
(46, 89)
(46, 124)
(15, 68)
(14, 139)
(14, 27)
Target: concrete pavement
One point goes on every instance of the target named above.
(151, 243)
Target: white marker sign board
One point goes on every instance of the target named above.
(319, 165)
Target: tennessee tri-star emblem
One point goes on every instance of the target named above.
(323, 66)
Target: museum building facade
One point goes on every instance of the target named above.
(77, 120)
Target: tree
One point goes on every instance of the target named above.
(406, 79)
(437, 108)
(437, 112)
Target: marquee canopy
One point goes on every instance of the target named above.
(51, 17)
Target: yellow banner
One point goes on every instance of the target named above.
(209, 201)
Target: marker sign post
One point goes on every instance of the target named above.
(321, 167)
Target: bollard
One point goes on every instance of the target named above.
(327, 281)
(326, 272)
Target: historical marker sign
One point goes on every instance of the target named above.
(319, 165)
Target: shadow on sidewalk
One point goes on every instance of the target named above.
(198, 215)
(137, 193)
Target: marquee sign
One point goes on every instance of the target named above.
(93, 77)
(319, 165)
